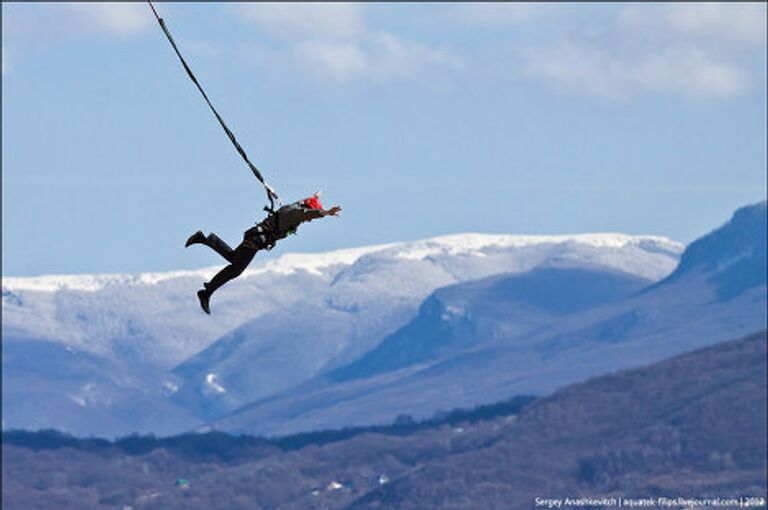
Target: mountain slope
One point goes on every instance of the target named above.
(346, 302)
(693, 425)
(84, 393)
(683, 312)
(733, 256)
(370, 299)
(463, 315)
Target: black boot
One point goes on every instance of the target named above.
(196, 238)
(204, 297)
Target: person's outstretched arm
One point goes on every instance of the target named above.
(333, 211)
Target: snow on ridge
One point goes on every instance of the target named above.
(285, 264)
(455, 244)
(313, 263)
(94, 282)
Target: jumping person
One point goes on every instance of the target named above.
(276, 226)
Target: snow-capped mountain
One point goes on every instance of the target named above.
(155, 317)
(117, 338)
(341, 319)
(484, 341)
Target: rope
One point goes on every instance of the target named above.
(271, 194)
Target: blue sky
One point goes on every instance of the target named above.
(419, 119)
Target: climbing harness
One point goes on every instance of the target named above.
(271, 194)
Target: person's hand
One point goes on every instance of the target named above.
(333, 211)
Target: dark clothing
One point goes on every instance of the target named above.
(238, 259)
(287, 219)
(263, 236)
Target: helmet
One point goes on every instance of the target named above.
(313, 202)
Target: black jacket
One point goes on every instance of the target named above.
(284, 222)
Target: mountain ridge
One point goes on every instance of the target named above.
(149, 327)
(289, 262)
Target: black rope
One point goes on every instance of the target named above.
(271, 194)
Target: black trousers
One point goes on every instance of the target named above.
(238, 259)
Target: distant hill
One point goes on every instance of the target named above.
(460, 316)
(733, 257)
(693, 425)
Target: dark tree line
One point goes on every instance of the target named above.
(226, 447)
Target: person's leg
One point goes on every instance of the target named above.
(212, 241)
(220, 246)
(241, 257)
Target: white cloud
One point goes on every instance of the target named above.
(46, 23)
(392, 56)
(692, 50)
(113, 18)
(689, 71)
(40, 24)
(497, 14)
(380, 56)
(332, 41)
(342, 61)
(307, 20)
(686, 71)
(718, 23)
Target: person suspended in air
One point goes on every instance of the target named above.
(278, 225)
